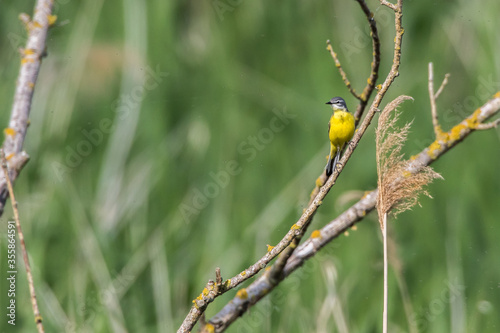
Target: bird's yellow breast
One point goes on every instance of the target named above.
(342, 126)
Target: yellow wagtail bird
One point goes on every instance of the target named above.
(340, 131)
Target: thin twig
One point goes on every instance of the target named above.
(443, 84)
(356, 213)
(372, 79)
(30, 66)
(433, 96)
(341, 70)
(34, 304)
(493, 124)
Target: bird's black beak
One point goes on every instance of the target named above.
(328, 102)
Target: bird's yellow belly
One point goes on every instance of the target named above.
(341, 128)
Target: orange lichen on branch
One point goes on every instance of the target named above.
(295, 227)
(269, 248)
(52, 19)
(242, 294)
(9, 131)
(472, 121)
(209, 328)
(316, 234)
(27, 60)
(319, 182)
(433, 148)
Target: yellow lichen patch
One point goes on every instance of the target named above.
(369, 81)
(320, 203)
(379, 86)
(31, 85)
(242, 294)
(52, 19)
(406, 174)
(316, 234)
(433, 148)
(319, 182)
(269, 248)
(295, 227)
(497, 95)
(354, 227)
(205, 292)
(456, 131)
(346, 233)
(27, 60)
(9, 131)
(27, 52)
(8, 157)
(413, 157)
(36, 24)
(243, 273)
(209, 328)
(363, 213)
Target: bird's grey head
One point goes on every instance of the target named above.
(337, 103)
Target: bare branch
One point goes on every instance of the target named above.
(443, 84)
(28, 73)
(388, 4)
(31, 285)
(341, 71)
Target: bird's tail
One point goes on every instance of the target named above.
(332, 160)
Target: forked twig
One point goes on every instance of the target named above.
(433, 96)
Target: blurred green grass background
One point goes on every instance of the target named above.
(191, 89)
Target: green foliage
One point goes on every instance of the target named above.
(240, 118)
